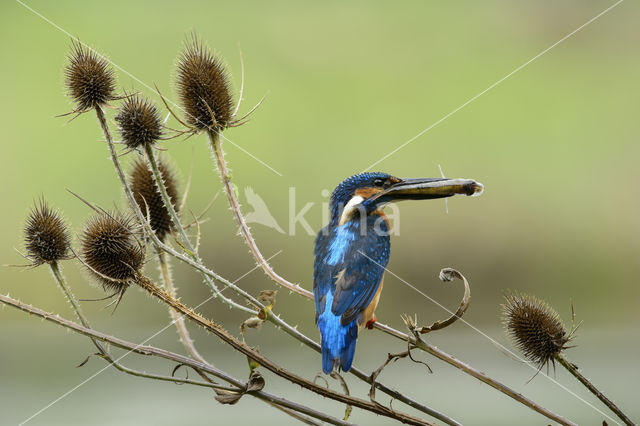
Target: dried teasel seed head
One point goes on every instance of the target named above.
(89, 78)
(145, 192)
(111, 251)
(203, 87)
(45, 235)
(139, 122)
(534, 327)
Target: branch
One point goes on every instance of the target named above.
(218, 153)
(102, 352)
(161, 353)
(241, 347)
(138, 212)
(449, 359)
(178, 319)
(582, 379)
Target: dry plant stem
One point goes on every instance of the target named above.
(239, 346)
(178, 319)
(62, 283)
(218, 153)
(171, 356)
(134, 206)
(574, 371)
(449, 359)
(276, 320)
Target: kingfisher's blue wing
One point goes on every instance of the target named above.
(353, 276)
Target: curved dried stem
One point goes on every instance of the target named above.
(245, 118)
(446, 275)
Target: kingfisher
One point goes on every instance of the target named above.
(352, 252)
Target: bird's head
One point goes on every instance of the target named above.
(369, 192)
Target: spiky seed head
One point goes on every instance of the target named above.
(145, 192)
(90, 80)
(534, 327)
(111, 250)
(45, 235)
(203, 87)
(139, 122)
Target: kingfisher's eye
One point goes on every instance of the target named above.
(378, 182)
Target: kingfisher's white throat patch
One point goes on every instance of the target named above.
(350, 208)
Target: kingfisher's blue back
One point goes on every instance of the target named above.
(349, 265)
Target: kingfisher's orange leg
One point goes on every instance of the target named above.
(370, 323)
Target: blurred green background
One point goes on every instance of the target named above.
(555, 144)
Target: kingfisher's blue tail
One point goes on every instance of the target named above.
(338, 341)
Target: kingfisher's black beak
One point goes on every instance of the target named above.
(431, 188)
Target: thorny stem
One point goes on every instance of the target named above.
(576, 373)
(218, 153)
(103, 353)
(271, 317)
(157, 176)
(141, 216)
(171, 356)
(192, 259)
(241, 347)
(449, 359)
(178, 319)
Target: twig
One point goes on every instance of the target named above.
(161, 353)
(576, 373)
(421, 344)
(241, 347)
(447, 274)
(138, 212)
(178, 320)
(218, 153)
(102, 352)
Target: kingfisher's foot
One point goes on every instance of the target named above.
(370, 323)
